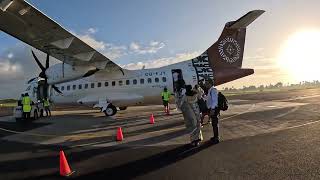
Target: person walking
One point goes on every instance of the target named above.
(212, 104)
(46, 104)
(191, 114)
(202, 103)
(165, 99)
(26, 106)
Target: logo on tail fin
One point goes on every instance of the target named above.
(229, 50)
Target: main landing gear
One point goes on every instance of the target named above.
(111, 110)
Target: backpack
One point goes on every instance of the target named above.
(222, 102)
(203, 105)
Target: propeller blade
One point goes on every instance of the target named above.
(31, 80)
(56, 89)
(38, 62)
(47, 61)
(63, 69)
(91, 72)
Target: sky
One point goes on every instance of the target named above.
(161, 32)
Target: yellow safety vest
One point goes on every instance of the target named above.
(26, 104)
(166, 95)
(46, 103)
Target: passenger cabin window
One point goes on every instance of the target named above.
(156, 80)
(120, 83)
(86, 86)
(135, 81)
(68, 88)
(113, 83)
(106, 84)
(149, 80)
(164, 79)
(127, 82)
(141, 81)
(92, 85)
(99, 84)
(80, 86)
(62, 88)
(74, 87)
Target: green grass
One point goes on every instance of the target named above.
(8, 105)
(257, 91)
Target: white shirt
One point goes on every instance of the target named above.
(212, 98)
(175, 76)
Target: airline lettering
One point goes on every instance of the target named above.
(202, 67)
(161, 73)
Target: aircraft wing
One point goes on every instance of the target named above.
(26, 23)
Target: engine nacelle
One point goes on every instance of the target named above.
(60, 73)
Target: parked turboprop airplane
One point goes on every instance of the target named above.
(87, 77)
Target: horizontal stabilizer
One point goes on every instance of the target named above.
(246, 20)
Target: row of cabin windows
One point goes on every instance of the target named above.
(113, 83)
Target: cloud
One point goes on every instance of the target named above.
(10, 56)
(17, 66)
(113, 51)
(109, 50)
(155, 63)
(152, 47)
(92, 30)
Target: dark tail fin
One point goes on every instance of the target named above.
(226, 55)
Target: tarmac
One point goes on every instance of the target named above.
(264, 136)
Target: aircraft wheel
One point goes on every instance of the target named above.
(111, 110)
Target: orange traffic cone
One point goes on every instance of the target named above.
(64, 166)
(119, 134)
(151, 119)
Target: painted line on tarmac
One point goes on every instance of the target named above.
(301, 125)
(47, 135)
(248, 110)
(164, 130)
(298, 98)
(93, 136)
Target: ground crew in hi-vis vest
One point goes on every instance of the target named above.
(46, 104)
(26, 106)
(165, 99)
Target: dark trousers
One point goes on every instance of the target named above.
(48, 112)
(214, 115)
(26, 115)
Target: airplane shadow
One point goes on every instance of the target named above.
(149, 164)
(131, 169)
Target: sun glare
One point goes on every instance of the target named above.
(300, 56)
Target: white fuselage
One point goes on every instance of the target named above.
(137, 87)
